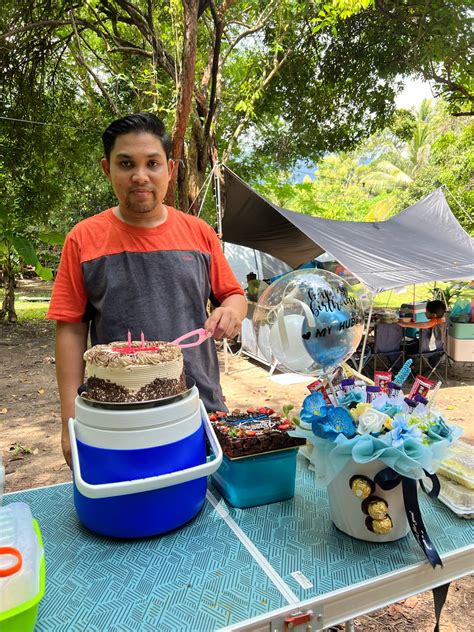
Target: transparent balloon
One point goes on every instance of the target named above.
(309, 321)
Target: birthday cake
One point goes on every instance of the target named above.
(134, 372)
(256, 431)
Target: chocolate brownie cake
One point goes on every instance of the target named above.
(253, 432)
(119, 372)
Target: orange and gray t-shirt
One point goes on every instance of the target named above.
(157, 280)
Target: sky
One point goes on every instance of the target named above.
(414, 92)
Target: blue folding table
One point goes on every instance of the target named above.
(234, 569)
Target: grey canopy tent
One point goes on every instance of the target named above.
(423, 243)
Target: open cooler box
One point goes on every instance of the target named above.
(22, 569)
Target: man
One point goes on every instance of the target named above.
(434, 311)
(254, 286)
(141, 266)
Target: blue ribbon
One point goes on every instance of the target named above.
(389, 479)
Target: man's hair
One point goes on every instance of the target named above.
(436, 307)
(141, 122)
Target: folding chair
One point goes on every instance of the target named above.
(388, 345)
(432, 351)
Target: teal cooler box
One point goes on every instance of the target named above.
(416, 312)
(461, 341)
(258, 479)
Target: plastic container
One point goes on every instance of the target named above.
(141, 472)
(458, 498)
(22, 589)
(258, 479)
(459, 464)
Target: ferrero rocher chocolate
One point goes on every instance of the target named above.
(380, 527)
(375, 507)
(378, 510)
(383, 526)
(361, 486)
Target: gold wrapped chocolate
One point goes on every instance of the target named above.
(380, 527)
(361, 486)
(378, 509)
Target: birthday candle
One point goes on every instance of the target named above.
(142, 338)
(404, 373)
(129, 341)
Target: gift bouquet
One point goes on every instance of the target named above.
(373, 443)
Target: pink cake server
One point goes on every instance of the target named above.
(201, 333)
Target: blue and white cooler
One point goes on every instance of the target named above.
(141, 469)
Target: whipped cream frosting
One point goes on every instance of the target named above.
(136, 370)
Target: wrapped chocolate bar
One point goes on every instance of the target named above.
(421, 386)
(382, 379)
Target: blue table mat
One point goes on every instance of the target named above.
(200, 577)
(298, 535)
(197, 578)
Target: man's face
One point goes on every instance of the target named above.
(139, 173)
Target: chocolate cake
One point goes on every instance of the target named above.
(256, 431)
(136, 372)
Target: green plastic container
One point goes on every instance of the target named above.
(23, 617)
(258, 479)
(461, 331)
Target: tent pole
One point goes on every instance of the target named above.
(369, 320)
(217, 181)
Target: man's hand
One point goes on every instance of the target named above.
(71, 342)
(223, 323)
(66, 446)
(226, 320)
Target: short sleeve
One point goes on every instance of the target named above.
(68, 301)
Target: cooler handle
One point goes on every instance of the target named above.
(151, 483)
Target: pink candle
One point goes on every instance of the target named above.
(142, 338)
(129, 340)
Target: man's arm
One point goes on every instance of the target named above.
(226, 320)
(71, 343)
(427, 325)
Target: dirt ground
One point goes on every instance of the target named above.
(30, 442)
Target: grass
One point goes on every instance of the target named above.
(422, 292)
(30, 311)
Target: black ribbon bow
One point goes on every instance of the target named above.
(389, 479)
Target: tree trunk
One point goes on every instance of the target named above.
(8, 307)
(185, 98)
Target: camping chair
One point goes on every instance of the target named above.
(432, 351)
(388, 345)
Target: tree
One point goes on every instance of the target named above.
(244, 79)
